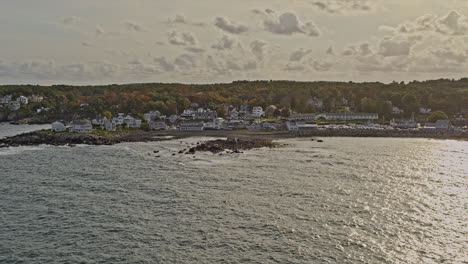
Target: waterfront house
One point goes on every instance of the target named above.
(132, 122)
(22, 100)
(303, 117)
(173, 119)
(218, 123)
(300, 126)
(99, 121)
(261, 126)
(234, 124)
(440, 125)
(58, 126)
(347, 116)
(257, 112)
(233, 114)
(81, 126)
(152, 115)
(205, 114)
(14, 105)
(119, 120)
(191, 126)
(405, 124)
(157, 125)
(110, 125)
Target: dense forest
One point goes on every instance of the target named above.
(450, 96)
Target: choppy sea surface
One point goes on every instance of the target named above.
(347, 200)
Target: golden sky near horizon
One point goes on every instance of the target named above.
(122, 41)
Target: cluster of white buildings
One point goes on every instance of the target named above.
(14, 105)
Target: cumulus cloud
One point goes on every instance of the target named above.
(73, 20)
(453, 23)
(229, 26)
(181, 38)
(288, 24)
(392, 47)
(185, 62)
(258, 48)
(181, 19)
(345, 6)
(294, 67)
(87, 44)
(321, 66)
(133, 26)
(224, 43)
(299, 54)
(164, 64)
(195, 50)
(330, 51)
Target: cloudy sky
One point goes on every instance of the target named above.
(128, 41)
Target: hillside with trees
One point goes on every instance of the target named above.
(65, 102)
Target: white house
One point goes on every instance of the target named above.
(348, 116)
(110, 125)
(257, 112)
(132, 122)
(440, 124)
(14, 105)
(151, 115)
(157, 125)
(81, 126)
(173, 118)
(218, 123)
(119, 120)
(58, 126)
(22, 100)
(191, 126)
(298, 117)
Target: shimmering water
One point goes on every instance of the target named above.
(348, 200)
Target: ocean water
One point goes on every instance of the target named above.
(347, 200)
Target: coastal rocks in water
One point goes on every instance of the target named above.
(232, 144)
(73, 139)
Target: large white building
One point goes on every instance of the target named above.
(81, 126)
(157, 125)
(257, 112)
(347, 116)
(22, 100)
(152, 115)
(191, 126)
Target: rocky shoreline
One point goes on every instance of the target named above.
(238, 140)
(70, 139)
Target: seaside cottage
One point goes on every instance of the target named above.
(81, 126)
(152, 116)
(191, 126)
(14, 105)
(119, 120)
(347, 116)
(440, 125)
(257, 112)
(157, 125)
(22, 100)
(110, 125)
(58, 127)
(218, 123)
(132, 122)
